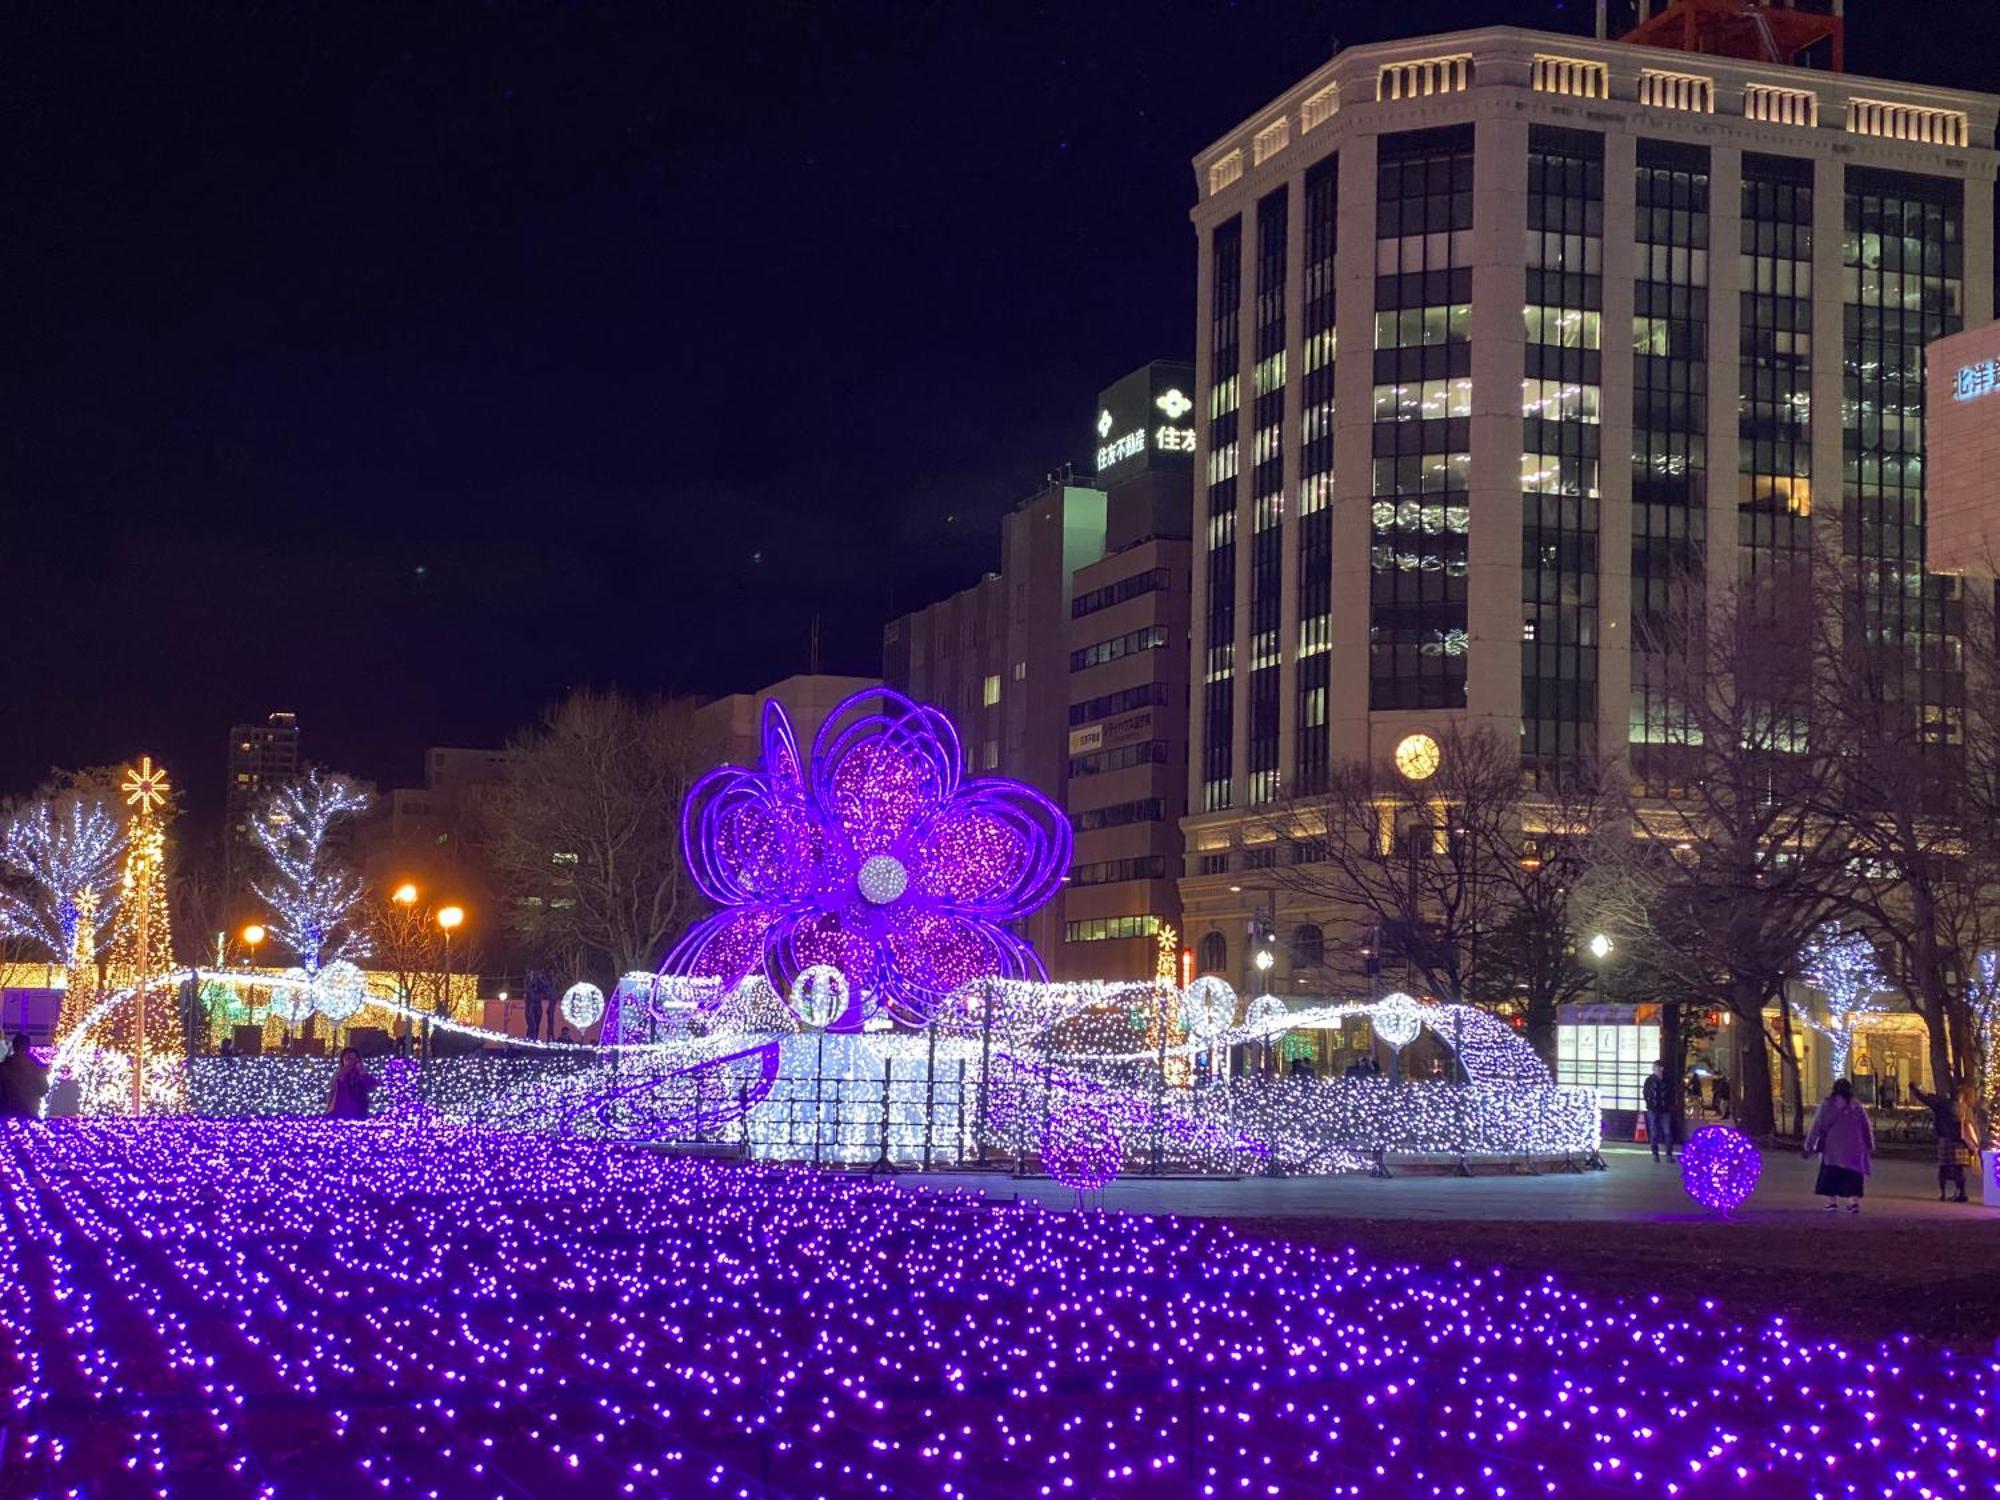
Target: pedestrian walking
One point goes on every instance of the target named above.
(23, 1082)
(352, 1084)
(1845, 1143)
(1718, 1092)
(1957, 1138)
(1659, 1095)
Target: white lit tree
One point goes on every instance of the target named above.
(58, 863)
(315, 901)
(1843, 967)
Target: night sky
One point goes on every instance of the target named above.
(405, 365)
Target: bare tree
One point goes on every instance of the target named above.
(584, 833)
(1732, 862)
(1911, 688)
(1463, 878)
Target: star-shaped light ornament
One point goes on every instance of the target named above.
(145, 787)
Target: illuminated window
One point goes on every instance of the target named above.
(1425, 76)
(1321, 107)
(1565, 327)
(1559, 400)
(990, 756)
(1664, 90)
(991, 693)
(1909, 122)
(1574, 76)
(1272, 139)
(1779, 106)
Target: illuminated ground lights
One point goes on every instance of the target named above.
(216, 1310)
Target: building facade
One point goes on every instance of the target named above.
(1498, 333)
(262, 759)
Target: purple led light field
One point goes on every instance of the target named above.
(302, 1308)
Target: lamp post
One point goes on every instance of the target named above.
(1601, 948)
(403, 930)
(449, 919)
(253, 934)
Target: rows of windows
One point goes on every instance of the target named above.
(1267, 482)
(1145, 695)
(1112, 871)
(1902, 260)
(1109, 929)
(1147, 638)
(1669, 440)
(1560, 396)
(1218, 709)
(1121, 758)
(1120, 815)
(1425, 400)
(1152, 581)
(1417, 561)
(1774, 425)
(1316, 443)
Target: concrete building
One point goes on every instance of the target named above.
(1126, 775)
(731, 726)
(262, 758)
(1068, 670)
(1497, 331)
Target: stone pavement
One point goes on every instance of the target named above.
(1633, 1189)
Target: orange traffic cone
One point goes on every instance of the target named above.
(1639, 1135)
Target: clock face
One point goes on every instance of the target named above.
(1417, 756)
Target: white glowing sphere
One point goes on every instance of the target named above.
(583, 1005)
(882, 879)
(1208, 1007)
(1397, 1019)
(1263, 1010)
(819, 996)
(341, 991)
(292, 995)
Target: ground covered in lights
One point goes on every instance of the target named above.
(1855, 1279)
(208, 1309)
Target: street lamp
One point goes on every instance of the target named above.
(404, 894)
(252, 936)
(1601, 948)
(1264, 960)
(449, 918)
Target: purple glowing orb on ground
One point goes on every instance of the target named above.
(1081, 1148)
(1720, 1168)
(875, 856)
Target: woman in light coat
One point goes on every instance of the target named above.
(1845, 1142)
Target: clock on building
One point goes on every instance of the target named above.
(1417, 756)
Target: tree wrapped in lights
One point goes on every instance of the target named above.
(313, 899)
(58, 856)
(142, 941)
(1842, 967)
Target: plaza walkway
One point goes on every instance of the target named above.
(1634, 1188)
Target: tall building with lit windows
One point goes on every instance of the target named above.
(1497, 333)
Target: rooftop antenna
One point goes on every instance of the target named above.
(812, 651)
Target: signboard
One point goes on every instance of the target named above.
(1962, 453)
(1083, 741)
(1143, 422)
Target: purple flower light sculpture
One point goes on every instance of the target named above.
(1720, 1168)
(877, 856)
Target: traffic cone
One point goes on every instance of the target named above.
(1639, 1135)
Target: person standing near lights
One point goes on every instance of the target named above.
(352, 1085)
(1659, 1096)
(23, 1082)
(1845, 1143)
(1957, 1137)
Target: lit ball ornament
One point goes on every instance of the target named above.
(1720, 1168)
(340, 991)
(1209, 1007)
(583, 1005)
(1081, 1148)
(1263, 1011)
(882, 879)
(819, 996)
(1397, 1020)
(292, 996)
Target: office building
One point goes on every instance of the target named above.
(731, 727)
(1499, 332)
(262, 759)
(1067, 669)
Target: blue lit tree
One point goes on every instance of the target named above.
(59, 855)
(1842, 966)
(315, 901)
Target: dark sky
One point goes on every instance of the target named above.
(404, 365)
